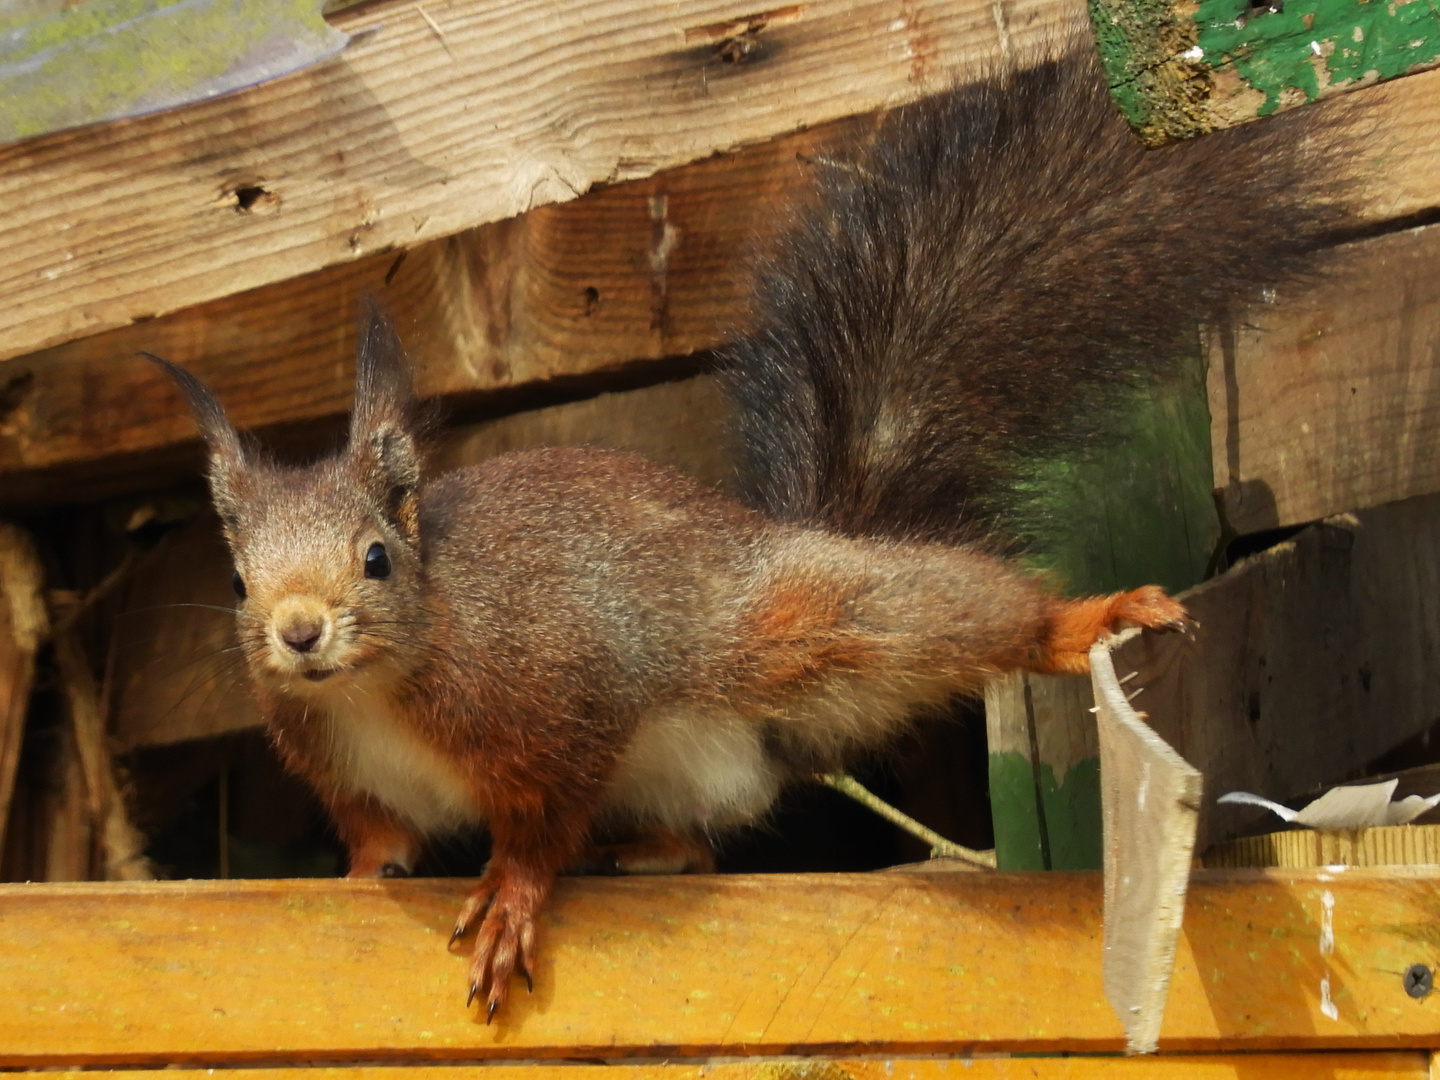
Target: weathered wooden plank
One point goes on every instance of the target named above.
(1308, 660)
(670, 967)
(414, 134)
(569, 292)
(177, 673)
(1182, 69)
(1331, 401)
(1151, 803)
(573, 292)
(24, 623)
(1411, 1065)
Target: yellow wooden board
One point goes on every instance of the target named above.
(217, 972)
(1352, 1066)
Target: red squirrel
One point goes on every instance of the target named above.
(561, 640)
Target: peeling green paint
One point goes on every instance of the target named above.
(1315, 45)
(63, 65)
(1070, 809)
(1165, 60)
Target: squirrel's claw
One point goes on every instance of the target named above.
(1076, 625)
(505, 942)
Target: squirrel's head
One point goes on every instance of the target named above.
(328, 567)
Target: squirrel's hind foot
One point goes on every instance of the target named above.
(1076, 625)
(662, 851)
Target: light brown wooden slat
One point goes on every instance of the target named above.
(567, 293)
(220, 972)
(637, 272)
(1413, 1065)
(1386, 845)
(1331, 402)
(411, 135)
(24, 623)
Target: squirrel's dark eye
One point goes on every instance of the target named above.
(377, 563)
(238, 584)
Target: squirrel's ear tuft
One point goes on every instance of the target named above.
(227, 454)
(384, 447)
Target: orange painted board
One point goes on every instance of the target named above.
(1365, 1065)
(215, 972)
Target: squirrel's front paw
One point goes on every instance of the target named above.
(505, 942)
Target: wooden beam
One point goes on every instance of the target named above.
(228, 972)
(548, 303)
(1395, 1065)
(1308, 661)
(24, 623)
(1331, 401)
(553, 302)
(419, 131)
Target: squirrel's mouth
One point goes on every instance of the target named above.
(319, 674)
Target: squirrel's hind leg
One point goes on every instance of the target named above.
(659, 851)
(379, 844)
(1075, 625)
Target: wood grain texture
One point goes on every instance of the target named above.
(1412, 1065)
(1044, 772)
(1331, 402)
(1309, 660)
(219, 972)
(412, 135)
(558, 300)
(1387, 845)
(565, 296)
(24, 623)
(1150, 804)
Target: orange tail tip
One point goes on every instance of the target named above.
(1077, 624)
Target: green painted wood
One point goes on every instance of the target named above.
(1017, 814)
(1178, 68)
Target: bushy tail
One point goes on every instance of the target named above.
(978, 287)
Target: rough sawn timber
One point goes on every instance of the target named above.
(230, 972)
(416, 132)
(1330, 401)
(549, 303)
(590, 292)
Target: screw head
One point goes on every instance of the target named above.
(1419, 981)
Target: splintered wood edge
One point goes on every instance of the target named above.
(1140, 948)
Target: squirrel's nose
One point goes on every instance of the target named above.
(302, 634)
